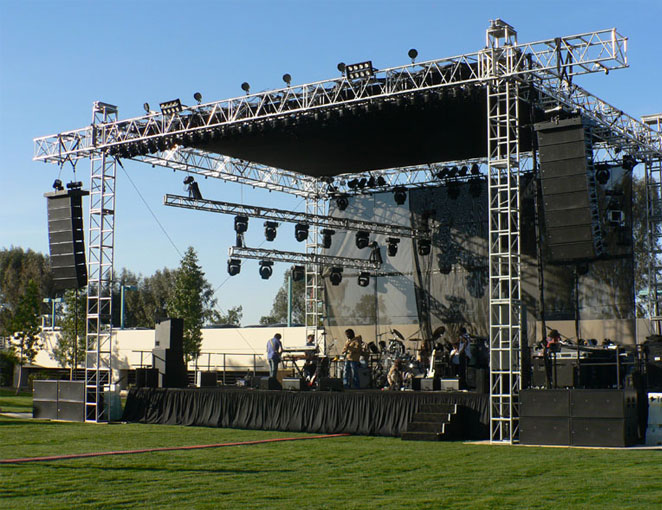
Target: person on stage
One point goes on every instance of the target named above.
(394, 377)
(274, 350)
(551, 346)
(352, 350)
(460, 354)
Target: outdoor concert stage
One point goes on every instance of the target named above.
(363, 412)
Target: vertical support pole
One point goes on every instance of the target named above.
(289, 300)
(653, 182)
(98, 343)
(314, 299)
(497, 64)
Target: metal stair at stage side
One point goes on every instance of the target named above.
(433, 422)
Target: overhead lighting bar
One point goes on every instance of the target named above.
(281, 215)
(238, 252)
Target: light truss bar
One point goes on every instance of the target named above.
(302, 258)
(563, 57)
(293, 217)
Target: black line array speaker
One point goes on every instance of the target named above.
(571, 209)
(66, 239)
(169, 334)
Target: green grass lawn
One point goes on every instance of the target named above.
(12, 403)
(346, 472)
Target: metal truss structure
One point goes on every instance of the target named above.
(101, 248)
(243, 252)
(282, 215)
(506, 69)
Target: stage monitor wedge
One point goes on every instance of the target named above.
(570, 199)
(66, 239)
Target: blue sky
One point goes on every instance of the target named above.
(57, 57)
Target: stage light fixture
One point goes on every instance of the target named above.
(412, 53)
(424, 247)
(193, 189)
(392, 244)
(266, 269)
(629, 162)
(336, 276)
(57, 185)
(342, 202)
(400, 195)
(301, 232)
(341, 67)
(287, 78)
(246, 87)
(359, 70)
(270, 230)
(198, 97)
(453, 190)
(362, 182)
(602, 174)
(381, 181)
(352, 183)
(445, 268)
(171, 107)
(298, 273)
(475, 169)
(453, 172)
(475, 187)
(234, 267)
(240, 224)
(363, 279)
(362, 239)
(74, 185)
(464, 171)
(371, 182)
(146, 108)
(326, 237)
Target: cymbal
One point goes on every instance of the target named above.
(398, 334)
(438, 332)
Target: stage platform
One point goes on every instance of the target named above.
(363, 412)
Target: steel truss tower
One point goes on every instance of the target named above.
(101, 242)
(505, 68)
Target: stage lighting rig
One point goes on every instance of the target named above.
(57, 185)
(287, 78)
(336, 276)
(198, 97)
(463, 171)
(363, 279)
(602, 173)
(171, 107)
(381, 181)
(266, 269)
(342, 202)
(400, 195)
(412, 53)
(475, 169)
(326, 237)
(375, 254)
(147, 108)
(301, 232)
(234, 266)
(298, 273)
(424, 247)
(74, 185)
(352, 183)
(246, 87)
(362, 239)
(341, 67)
(629, 162)
(360, 70)
(392, 246)
(270, 230)
(240, 224)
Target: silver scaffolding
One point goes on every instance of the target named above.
(505, 67)
(101, 247)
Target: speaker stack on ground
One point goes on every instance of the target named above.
(168, 354)
(66, 239)
(571, 212)
(578, 417)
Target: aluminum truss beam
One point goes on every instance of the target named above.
(505, 306)
(602, 50)
(101, 248)
(318, 220)
(302, 258)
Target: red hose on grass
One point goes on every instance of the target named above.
(164, 449)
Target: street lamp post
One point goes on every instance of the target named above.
(122, 289)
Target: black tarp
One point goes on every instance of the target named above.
(377, 413)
